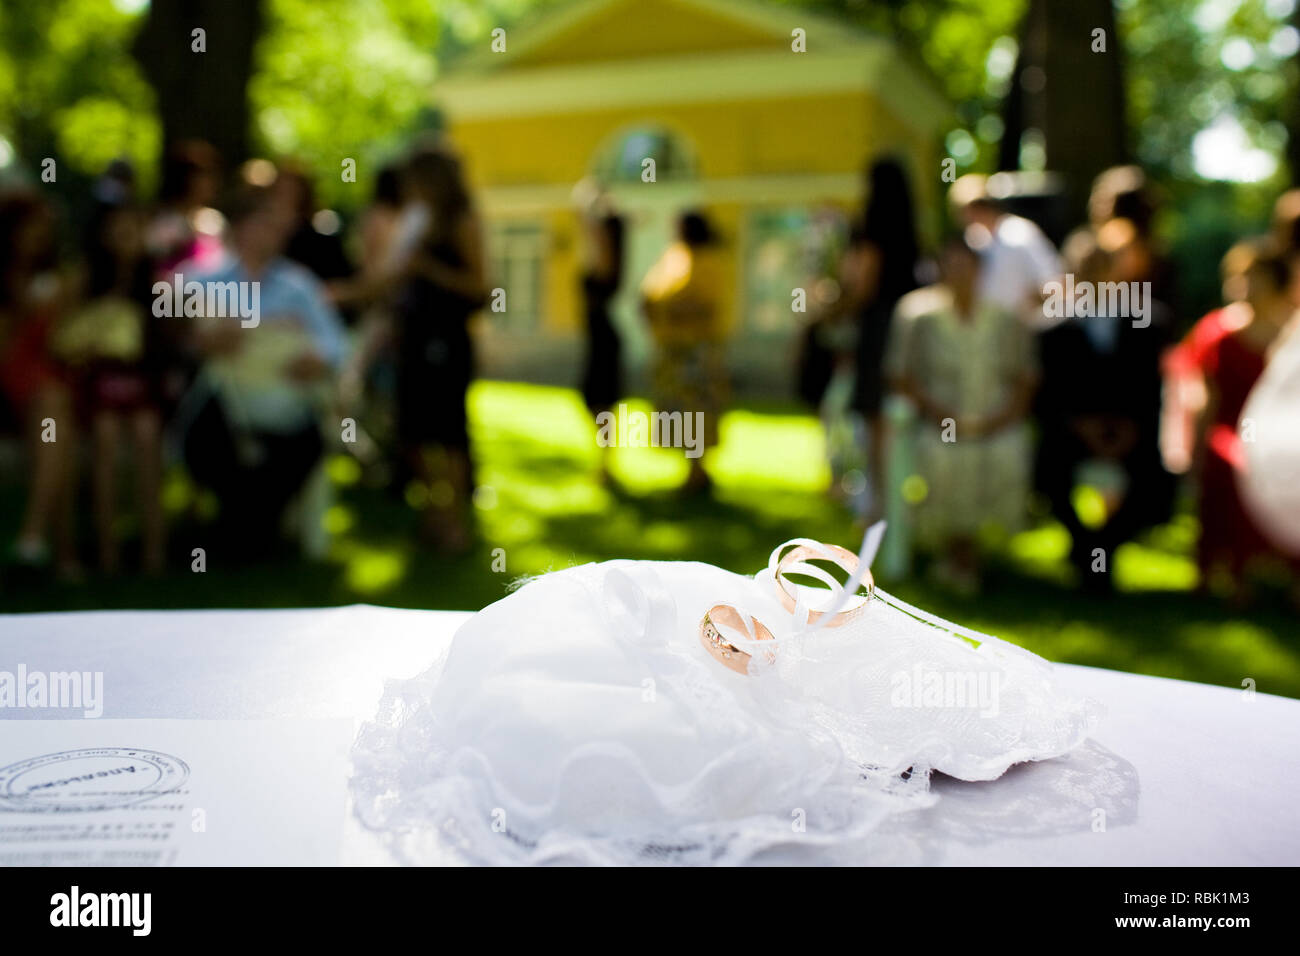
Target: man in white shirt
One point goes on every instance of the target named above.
(1017, 260)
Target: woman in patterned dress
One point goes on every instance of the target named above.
(971, 370)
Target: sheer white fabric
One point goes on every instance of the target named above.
(1270, 482)
(581, 720)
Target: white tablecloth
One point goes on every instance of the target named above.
(1177, 774)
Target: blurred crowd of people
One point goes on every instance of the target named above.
(1013, 394)
(107, 358)
(105, 361)
(221, 325)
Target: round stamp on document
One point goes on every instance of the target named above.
(92, 778)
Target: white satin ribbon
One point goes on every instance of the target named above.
(841, 593)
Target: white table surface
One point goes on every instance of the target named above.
(1186, 774)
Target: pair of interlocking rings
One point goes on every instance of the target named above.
(794, 561)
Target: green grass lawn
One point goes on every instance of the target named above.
(541, 502)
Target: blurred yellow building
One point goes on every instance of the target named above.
(765, 117)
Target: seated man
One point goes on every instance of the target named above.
(254, 436)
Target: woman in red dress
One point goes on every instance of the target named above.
(32, 383)
(1228, 349)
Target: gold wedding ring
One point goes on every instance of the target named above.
(721, 649)
(845, 558)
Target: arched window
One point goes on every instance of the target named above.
(622, 158)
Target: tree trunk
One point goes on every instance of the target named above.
(1072, 95)
(202, 95)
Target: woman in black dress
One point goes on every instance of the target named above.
(882, 259)
(602, 377)
(435, 356)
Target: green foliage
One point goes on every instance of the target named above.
(1187, 62)
(357, 78)
(337, 80)
(1190, 62)
(69, 87)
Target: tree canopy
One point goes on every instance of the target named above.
(331, 79)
